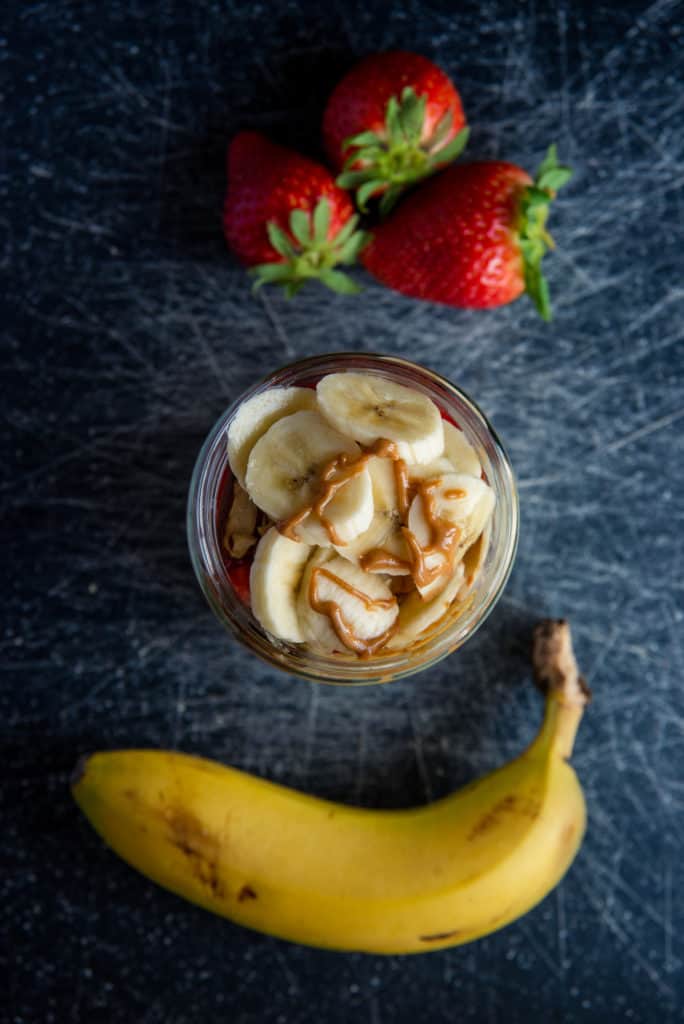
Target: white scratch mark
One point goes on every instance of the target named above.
(420, 757)
(628, 942)
(290, 976)
(310, 727)
(277, 324)
(649, 428)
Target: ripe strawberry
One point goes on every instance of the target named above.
(238, 574)
(285, 217)
(474, 236)
(394, 119)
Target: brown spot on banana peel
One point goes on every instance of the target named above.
(511, 804)
(500, 918)
(187, 834)
(246, 893)
(440, 936)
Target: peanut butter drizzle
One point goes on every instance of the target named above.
(385, 449)
(379, 560)
(402, 483)
(335, 475)
(402, 585)
(363, 647)
(347, 467)
(287, 526)
(444, 537)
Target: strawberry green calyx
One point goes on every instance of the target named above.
(389, 161)
(309, 255)
(534, 239)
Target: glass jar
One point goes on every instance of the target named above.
(208, 491)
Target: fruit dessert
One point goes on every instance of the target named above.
(362, 513)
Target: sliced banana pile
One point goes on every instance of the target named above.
(379, 515)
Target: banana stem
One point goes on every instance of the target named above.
(558, 676)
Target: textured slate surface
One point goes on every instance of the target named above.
(128, 329)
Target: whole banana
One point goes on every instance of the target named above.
(347, 878)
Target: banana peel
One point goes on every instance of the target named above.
(347, 878)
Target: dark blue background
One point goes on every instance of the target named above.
(128, 328)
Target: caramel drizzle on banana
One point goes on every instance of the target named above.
(444, 538)
(379, 560)
(364, 647)
(335, 475)
(442, 548)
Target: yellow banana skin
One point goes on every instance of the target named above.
(340, 877)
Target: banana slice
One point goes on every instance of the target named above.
(459, 451)
(350, 512)
(274, 581)
(284, 475)
(416, 615)
(380, 550)
(256, 415)
(473, 560)
(391, 558)
(482, 515)
(342, 608)
(240, 533)
(456, 499)
(431, 470)
(370, 408)
(385, 527)
(380, 527)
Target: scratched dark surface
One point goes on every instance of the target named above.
(128, 328)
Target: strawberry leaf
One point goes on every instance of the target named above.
(412, 115)
(321, 221)
(292, 287)
(387, 162)
(550, 160)
(389, 199)
(362, 139)
(352, 179)
(551, 175)
(269, 273)
(300, 226)
(535, 197)
(349, 252)
(447, 153)
(554, 179)
(393, 122)
(442, 130)
(368, 155)
(533, 238)
(537, 288)
(316, 256)
(365, 192)
(346, 231)
(339, 282)
(279, 240)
